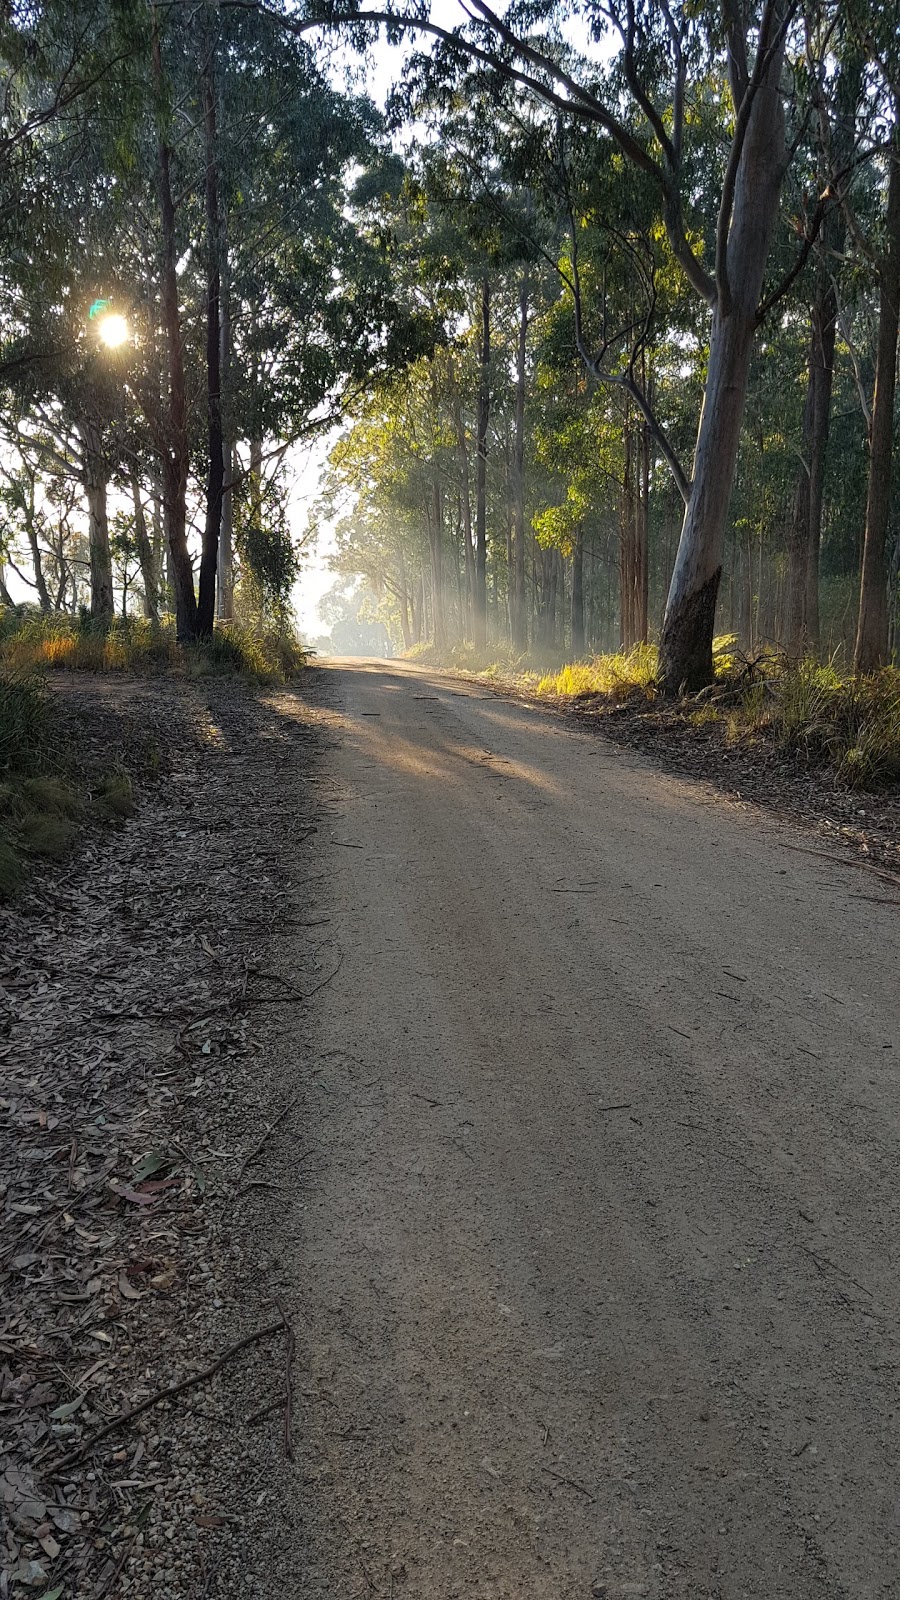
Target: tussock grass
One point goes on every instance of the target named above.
(115, 797)
(612, 676)
(825, 718)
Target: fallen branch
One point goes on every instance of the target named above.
(163, 1394)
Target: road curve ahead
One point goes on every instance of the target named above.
(597, 1268)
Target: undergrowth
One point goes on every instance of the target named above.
(824, 718)
(612, 676)
(37, 808)
(33, 641)
(820, 715)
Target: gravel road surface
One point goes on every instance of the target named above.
(595, 1280)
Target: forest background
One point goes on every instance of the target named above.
(597, 315)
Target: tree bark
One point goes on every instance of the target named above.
(145, 554)
(209, 557)
(176, 459)
(872, 628)
(481, 429)
(689, 624)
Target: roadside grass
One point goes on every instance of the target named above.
(33, 641)
(821, 715)
(825, 718)
(612, 677)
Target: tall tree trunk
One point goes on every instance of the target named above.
(801, 629)
(872, 629)
(481, 430)
(689, 624)
(466, 501)
(225, 604)
(175, 463)
(226, 535)
(642, 537)
(94, 477)
(34, 547)
(145, 554)
(435, 521)
(578, 593)
(626, 540)
(519, 616)
(209, 558)
(403, 600)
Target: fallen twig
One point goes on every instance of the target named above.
(836, 860)
(327, 980)
(163, 1394)
(823, 1261)
(301, 994)
(261, 1142)
(264, 1411)
(572, 1483)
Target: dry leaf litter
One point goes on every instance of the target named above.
(132, 1108)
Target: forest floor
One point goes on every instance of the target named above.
(537, 1106)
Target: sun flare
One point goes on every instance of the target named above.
(114, 330)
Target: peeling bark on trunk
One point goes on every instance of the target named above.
(689, 625)
(481, 429)
(872, 629)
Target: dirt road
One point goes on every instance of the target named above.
(596, 1275)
